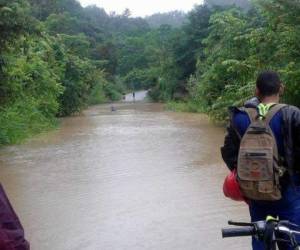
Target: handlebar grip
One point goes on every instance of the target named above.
(236, 232)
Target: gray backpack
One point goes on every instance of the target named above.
(259, 170)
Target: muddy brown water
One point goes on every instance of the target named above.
(135, 178)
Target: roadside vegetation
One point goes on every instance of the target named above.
(214, 61)
(57, 57)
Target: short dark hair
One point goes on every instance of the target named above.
(268, 83)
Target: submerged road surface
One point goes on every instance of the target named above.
(136, 178)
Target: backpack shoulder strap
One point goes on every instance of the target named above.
(252, 113)
(273, 111)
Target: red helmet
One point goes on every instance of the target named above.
(231, 187)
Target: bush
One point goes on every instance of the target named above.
(112, 92)
(21, 120)
(97, 95)
(189, 106)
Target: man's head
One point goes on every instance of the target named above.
(268, 84)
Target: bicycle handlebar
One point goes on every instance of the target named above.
(261, 229)
(237, 232)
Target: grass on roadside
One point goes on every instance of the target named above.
(21, 121)
(183, 107)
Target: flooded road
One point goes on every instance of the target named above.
(138, 96)
(135, 178)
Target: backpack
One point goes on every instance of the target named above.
(259, 168)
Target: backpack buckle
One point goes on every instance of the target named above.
(281, 171)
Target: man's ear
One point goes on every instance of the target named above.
(257, 93)
(281, 90)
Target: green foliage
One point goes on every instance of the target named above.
(113, 92)
(63, 23)
(97, 95)
(224, 74)
(51, 66)
(220, 50)
(163, 72)
(132, 54)
(41, 9)
(22, 119)
(176, 53)
(124, 25)
(80, 80)
(28, 72)
(239, 3)
(238, 46)
(173, 18)
(57, 57)
(140, 79)
(14, 20)
(189, 106)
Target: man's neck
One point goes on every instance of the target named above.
(270, 99)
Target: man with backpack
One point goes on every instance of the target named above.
(262, 146)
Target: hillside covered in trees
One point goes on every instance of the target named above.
(213, 60)
(57, 57)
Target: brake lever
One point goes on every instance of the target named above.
(289, 224)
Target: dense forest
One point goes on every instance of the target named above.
(57, 57)
(228, 46)
(173, 18)
(213, 60)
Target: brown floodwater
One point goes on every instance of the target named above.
(135, 178)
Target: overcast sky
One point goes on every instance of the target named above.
(142, 7)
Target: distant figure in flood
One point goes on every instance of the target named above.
(113, 109)
(133, 96)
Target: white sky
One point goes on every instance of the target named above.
(142, 7)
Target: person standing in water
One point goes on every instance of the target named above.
(133, 96)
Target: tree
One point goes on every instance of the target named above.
(14, 20)
(245, 4)
(173, 18)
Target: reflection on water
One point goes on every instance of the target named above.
(136, 178)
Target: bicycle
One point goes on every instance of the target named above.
(271, 231)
